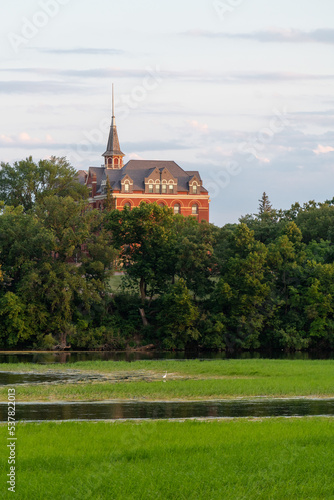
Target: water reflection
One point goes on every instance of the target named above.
(165, 410)
(9, 378)
(73, 357)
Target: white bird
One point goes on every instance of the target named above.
(164, 377)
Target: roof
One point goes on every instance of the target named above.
(113, 147)
(138, 170)
(82, 176)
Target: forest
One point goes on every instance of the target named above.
(266, 282)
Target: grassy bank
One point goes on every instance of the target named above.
(185, 380)
(238, 459)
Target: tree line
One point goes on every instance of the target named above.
(266, 282)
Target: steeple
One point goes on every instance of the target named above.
(113, 157)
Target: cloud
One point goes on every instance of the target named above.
(154, 146)
(134, 156)
(323, 149)
(84, 147)
(40, 87)
(5, 140)
(311, 118)
(201, 127)
(272, 35)
(24, 140)
(93, 51)
(192, 76)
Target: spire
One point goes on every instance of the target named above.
(113, 148)
(113, 101)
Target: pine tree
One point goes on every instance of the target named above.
(110, 202)
(265, 205)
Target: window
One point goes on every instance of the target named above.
(171, 188)
(161, 205)
(150, 188)
(126, 187)
(177, 208)
(194, 209)
(157, 188)
(195, 188)
(127, 205)
(164, 188)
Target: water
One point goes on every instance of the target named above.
(168, 410)
(73, 357)
(8, 378)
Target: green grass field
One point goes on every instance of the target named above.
(237, 459)
(115, 282)
(193, 379)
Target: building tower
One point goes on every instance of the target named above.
(113, 157)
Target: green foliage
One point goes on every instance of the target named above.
(178, 317)
(265, 282)
(47, 343)
(110, 202)
(316, 221)
(27, 183)
(146, 241)
(196, 262)
(241, 294)
(56, 262)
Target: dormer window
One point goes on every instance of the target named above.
(171, 188)
(127, 184)
(164, 188)
(195, 188)
(150, 188)
(157, 188)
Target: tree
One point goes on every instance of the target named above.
(316, 222)
(178, 318)
(240, 302)
(56, 263)
(146, 239)
(24, 246)
(110, 202)
(265, 206)
(26, 182)
(196, 262)
(267, 223)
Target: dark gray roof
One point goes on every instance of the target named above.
(138, 170)
(191, 173)
(113, 147)
(81, 176)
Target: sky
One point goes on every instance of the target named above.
(240, 90)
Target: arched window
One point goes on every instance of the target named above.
(161, 205)
(177, 208)
(150, 188)
(195, 188)
(116, 162)
(194, 209)
(110, 161)
(164, 188)
(127, 205)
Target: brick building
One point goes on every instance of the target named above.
(151, 181)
